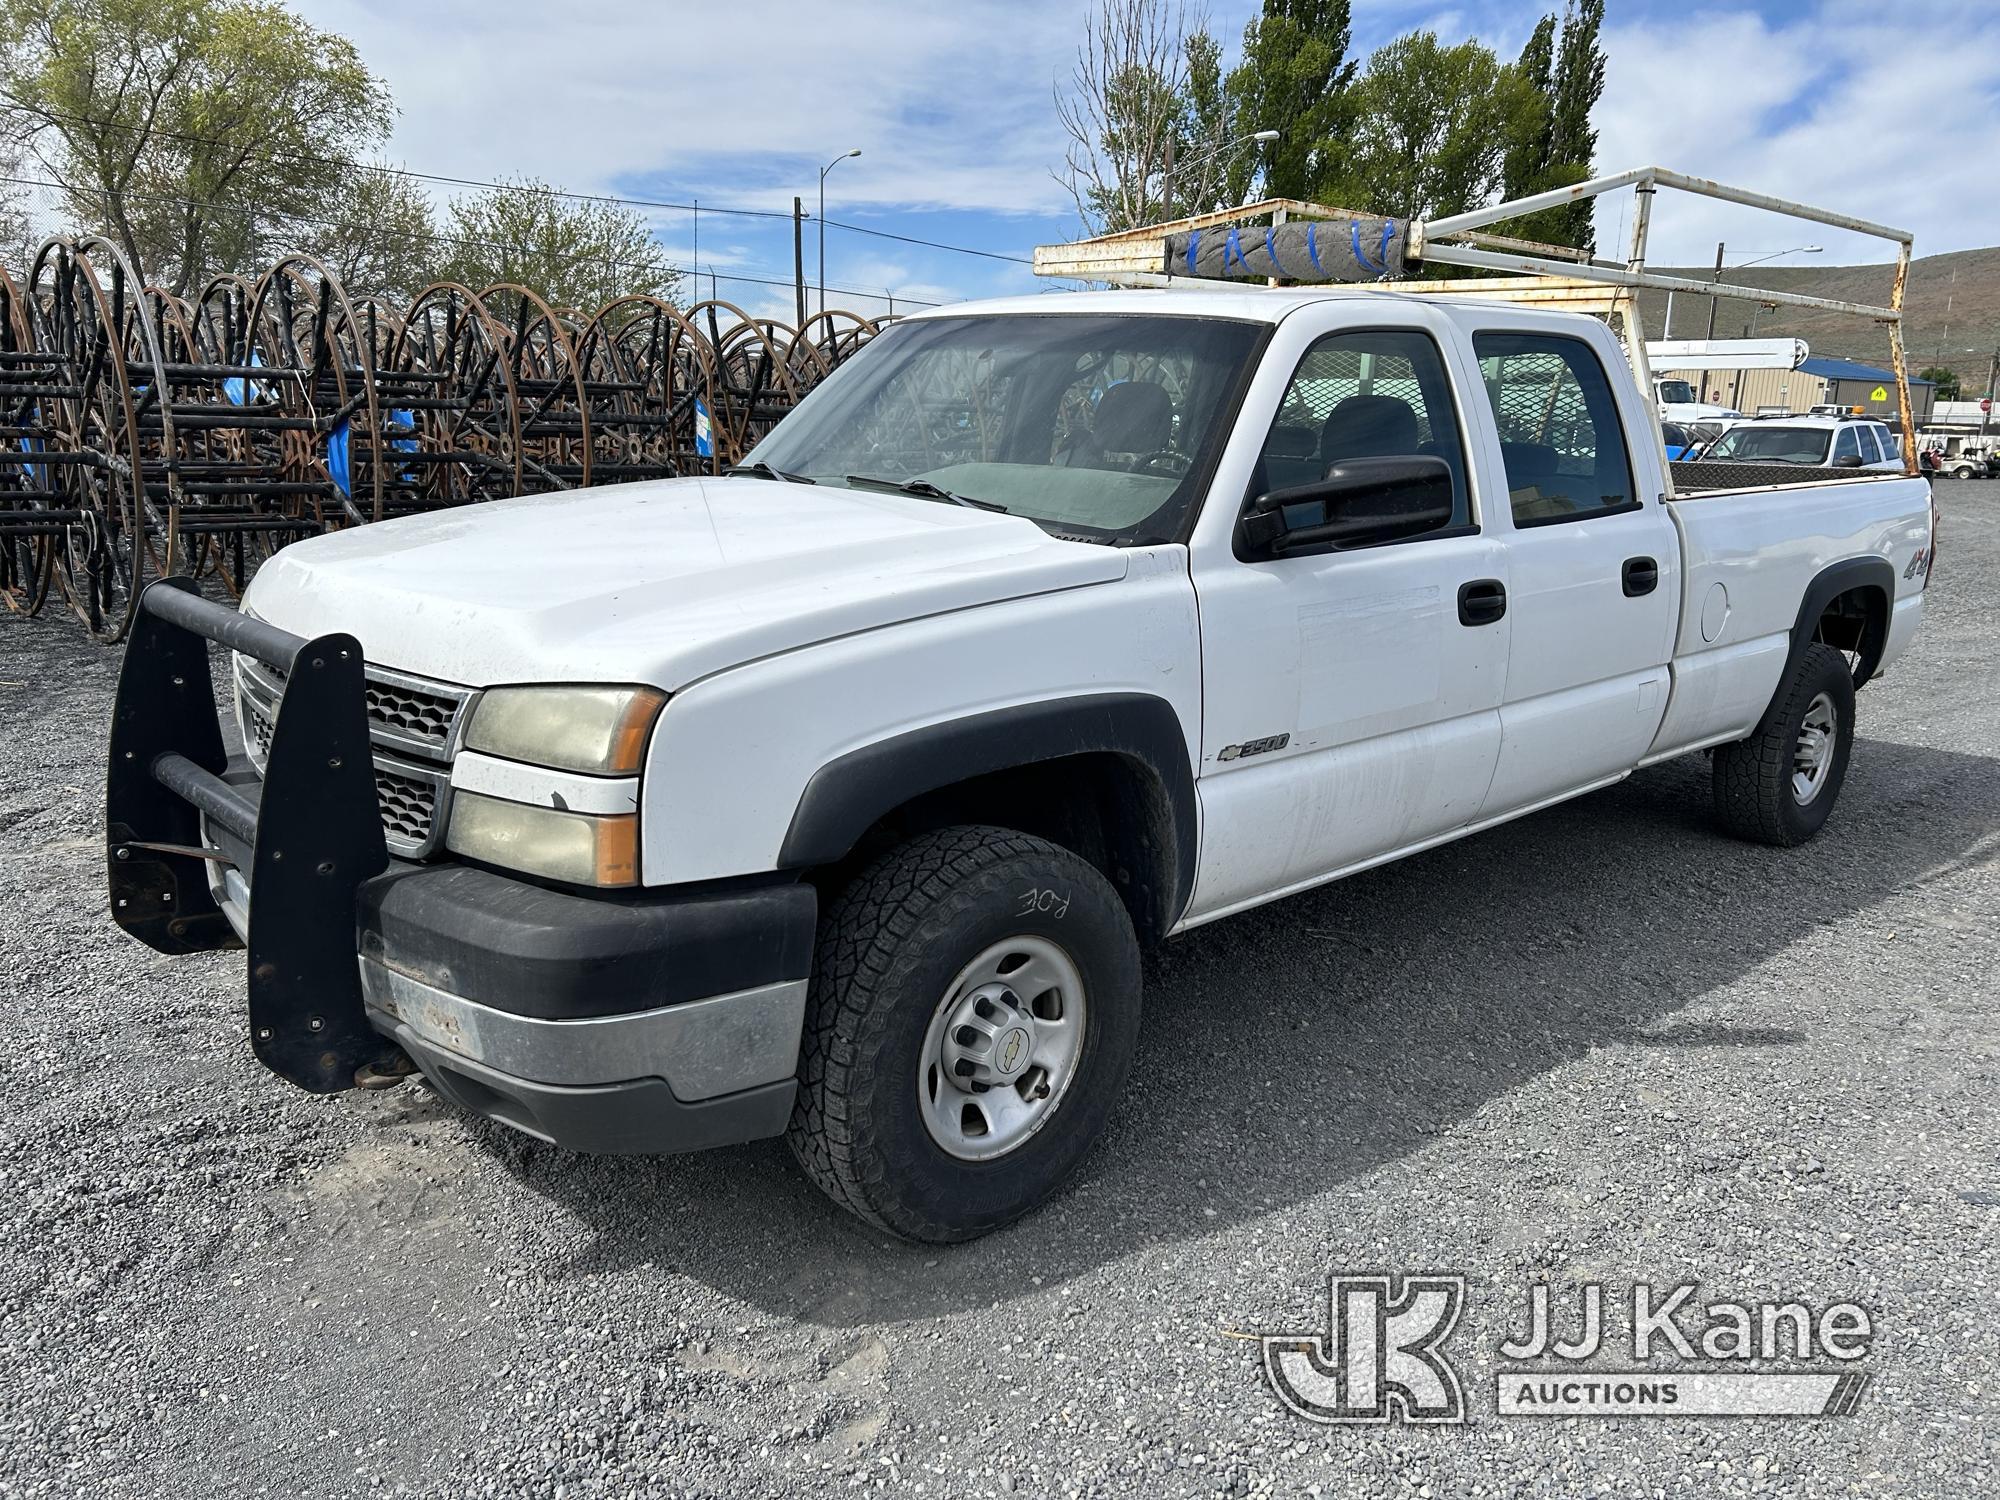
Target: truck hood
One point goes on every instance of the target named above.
(661, 583)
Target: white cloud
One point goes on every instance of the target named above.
(1857, 107)
(1851, 104)
(950, 104)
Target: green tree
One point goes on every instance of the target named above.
(381, 239)
(1125, 110)
(1577, 86)
(577, 253)
(197, 134)
(1433, 125)
(1555, 144)
(1204, 156)
(1296, 78)
(1946, 381)
(1527, 163)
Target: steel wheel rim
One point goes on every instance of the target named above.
(1812, 755)
(1002, 1048)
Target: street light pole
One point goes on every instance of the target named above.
(1167, 182)
(822, 219)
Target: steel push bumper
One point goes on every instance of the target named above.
(651, 1023)
(314, 826)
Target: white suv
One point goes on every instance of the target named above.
(1819, 442)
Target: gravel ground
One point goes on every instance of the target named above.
(1603, 1043)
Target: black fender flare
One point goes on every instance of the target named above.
(848, 794)
(1829, 584)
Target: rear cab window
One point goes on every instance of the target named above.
(1561, 439)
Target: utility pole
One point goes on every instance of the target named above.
(1992, 393)
(799, 256)
(1712, 301)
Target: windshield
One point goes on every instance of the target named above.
(1102, 426)
(1676, 391)
(1773, 445)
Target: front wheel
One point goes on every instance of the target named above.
(1779, 785)
(974, 1010)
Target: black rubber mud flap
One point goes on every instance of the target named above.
(319, 835)
(166, 703)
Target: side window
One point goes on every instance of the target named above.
(1871, 450)
(1381, 393)
(1559, 432)
(1846, 445)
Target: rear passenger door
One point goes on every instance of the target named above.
(1593, 569)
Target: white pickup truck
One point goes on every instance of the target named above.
(838, 796)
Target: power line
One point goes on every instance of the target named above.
(514, 187)
(246, 210)
(910, 239)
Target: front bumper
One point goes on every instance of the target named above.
(655, 1025)
(630, 1023)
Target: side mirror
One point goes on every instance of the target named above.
(1360, 502)
(1848, 461)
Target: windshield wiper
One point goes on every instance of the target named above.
(925, 488)
(765, 471)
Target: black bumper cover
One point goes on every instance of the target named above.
(557, 956)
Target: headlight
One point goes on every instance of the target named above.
(573, 847)
(600, 731)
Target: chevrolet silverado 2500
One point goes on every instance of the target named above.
(837, 797)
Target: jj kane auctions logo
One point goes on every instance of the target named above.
(1382, 1356)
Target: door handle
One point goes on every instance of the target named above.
(1481, 601)
(1641, 576)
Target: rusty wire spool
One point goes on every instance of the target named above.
(554, 410)
(453, 424)
(32, 522)
(662, 389)
(754, 386)
(837, 336)
(89, 407)
(143, 433)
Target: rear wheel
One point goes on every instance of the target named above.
(974, 1009)
(1779, 785)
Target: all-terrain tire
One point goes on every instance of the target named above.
(891, 947)
(1755, 796)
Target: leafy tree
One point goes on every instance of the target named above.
(381, 238)
(1433, 125)
(1577, 86)
(1205, 157)
(578, 253)
(1555, 143)
(1527, 164)
(1946, 381)
(197, 134)
(1125, 110)
(1295, 78)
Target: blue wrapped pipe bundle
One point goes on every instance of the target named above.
(1315, 250)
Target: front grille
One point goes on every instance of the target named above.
(412, 726)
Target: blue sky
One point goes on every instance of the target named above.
(1869, 106)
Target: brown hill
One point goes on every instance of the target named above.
(1951, 310)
